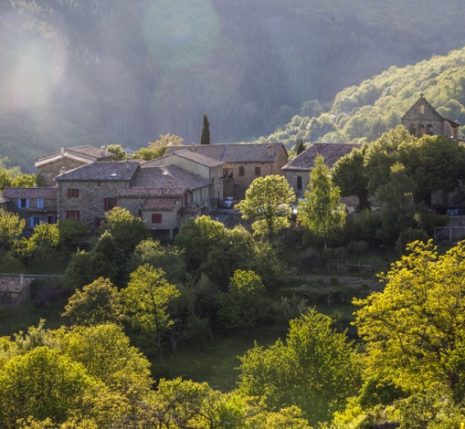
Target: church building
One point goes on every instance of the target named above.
(422, 118)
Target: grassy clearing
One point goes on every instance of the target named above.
(17, 319)
(218, 363)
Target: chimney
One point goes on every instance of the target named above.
(103, 149)
(269, 149)
(62, 150)
(21, 279)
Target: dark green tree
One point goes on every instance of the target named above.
(205, 138)
(299, 146)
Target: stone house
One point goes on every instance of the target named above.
(67, 159)
(242, 162)
(297, 171)
(34, 205)
(163, 196)
(423, 119)
(195, 163)
(14, 290)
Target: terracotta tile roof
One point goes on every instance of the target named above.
(330, 151)
(235, 152)
(44, 193)
(168, 177)
(85, 153)
(161, 204)
(104, 171)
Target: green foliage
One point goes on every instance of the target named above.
(266, 204)
(11, 228)
(205, 137)
(168, 258)
(313, 368)
(118, 153)
(157, 148)
(127, 230)
(41, 383)
(414, 330)
(350, 176)
(299, 146)
(71, 232)
(364, 112)
(96, 303)
(322, 211)
(245, 304)
(12, 176)
(146, 302)
(211, 248)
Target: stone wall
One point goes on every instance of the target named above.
(49, 171)
(292, 178)
(91, 198)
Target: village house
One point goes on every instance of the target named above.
(34, 205)
(423, 119)
(50, 166)
(242, 162)
(297, 171)
(164, 195)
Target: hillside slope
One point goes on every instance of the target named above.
(111, 71)
(365, 111)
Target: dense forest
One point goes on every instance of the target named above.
(362, 113)
(111, 71)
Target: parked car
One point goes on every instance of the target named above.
(455, 211)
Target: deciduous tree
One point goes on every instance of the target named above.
(322, 211)
(267, 204)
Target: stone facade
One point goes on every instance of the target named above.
(422, 119)
(34, 205)
(297, 171)
(47, 172)
(90, 202)
(243, 162)
(212, 172)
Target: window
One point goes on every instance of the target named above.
(258, 171)
(422, 109)
(241, 171)
(40, 203)
(228, 173)
(73, 215)
(299, 183)
(34, 221)
(109, 203)
(51, 219)
(73, 193)
(156, 218)
(23, 203)
(429, 129)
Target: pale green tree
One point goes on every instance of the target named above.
(97, 302)
(267, 204)
(146, 302)
(322, 211)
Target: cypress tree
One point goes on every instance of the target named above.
(205, 138)
(299, 146)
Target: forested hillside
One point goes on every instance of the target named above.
(364, 112)
(112, 71)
